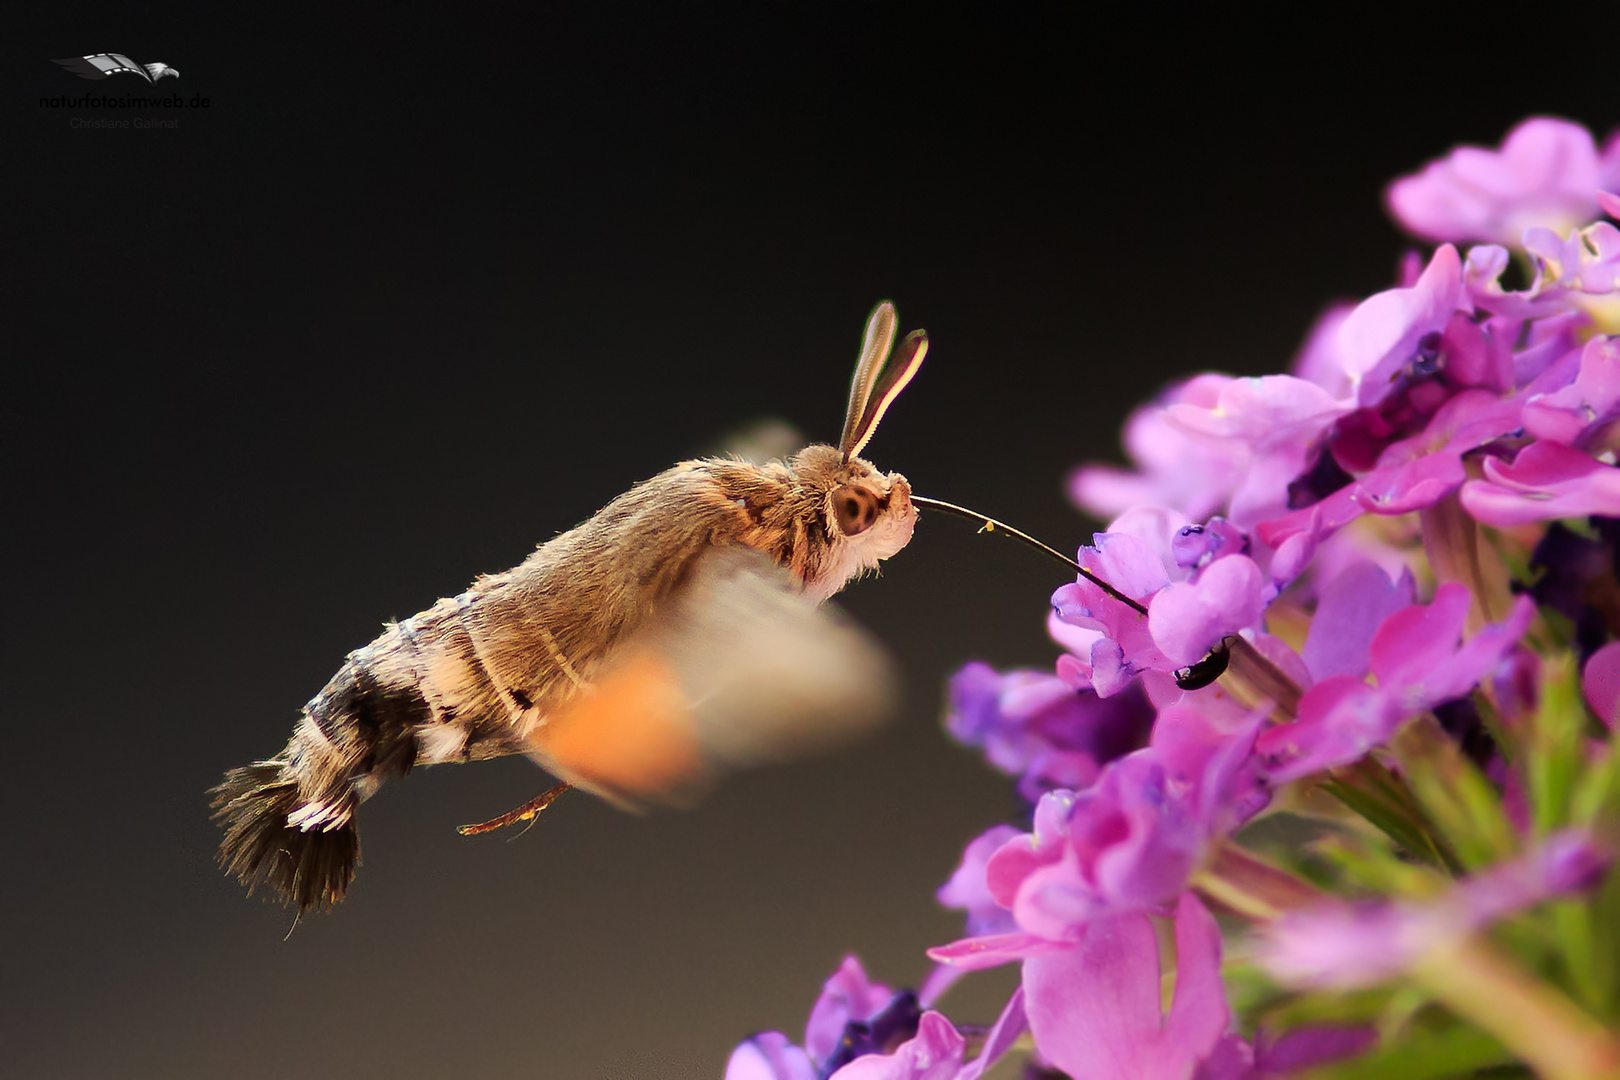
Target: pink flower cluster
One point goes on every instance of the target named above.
(1327, 523)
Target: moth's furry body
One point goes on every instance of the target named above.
(475, 675)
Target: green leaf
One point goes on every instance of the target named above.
(1370, 864)
(1363, 788)
(1556, 746)
(1455, 796)
(1573, 926)
(1596, 799)
(1604, 912)
(1505, 736)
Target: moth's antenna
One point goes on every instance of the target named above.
(990, 524)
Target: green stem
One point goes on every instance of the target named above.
(1539, 1024)
(1456, 552)
(1252, 679)
(1247, 885)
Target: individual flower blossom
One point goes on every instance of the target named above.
(1049, 732)
(1196, 546)
(1215, 441)
(1482, 278)
(1548, 172)
(1125, 647)
(936, 1052)
(967, 891)
(1185, 619)
(1587, 261)
(852, 1016)
(1385, 332)
(1547, 480)
(1419, 660)
(1349, 610)
(1266, 426)
(1188, 618)
(1174, 469)
(1342, 945)
(859, 1030)
(1587, 403)
(854, 1012)
(1412, 474)
(1095, 1008)
(1127, 844)
(1206, 744)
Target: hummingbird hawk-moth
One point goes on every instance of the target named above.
(675, 634)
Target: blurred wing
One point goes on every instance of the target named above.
(741, 670)
(766, 439)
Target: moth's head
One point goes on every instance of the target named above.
(866, 515)
(862, 514)
(859, 504)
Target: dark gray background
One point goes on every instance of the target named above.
(412, 296)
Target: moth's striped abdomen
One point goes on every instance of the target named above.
(418, 692)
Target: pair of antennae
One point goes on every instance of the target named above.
(879, 378)
(880, 375)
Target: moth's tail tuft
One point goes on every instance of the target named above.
(309, 867)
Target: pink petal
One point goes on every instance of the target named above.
(1564, 415)
(1383, 331)
(769, 1056)
(934, 1053)
(1340, 719)
(1262, 412)
(1601, 681)
(1010, 1027)
(1546, 481)
(1198, 1013)
(976, 954)
(1351, 608)
(847, 995)
(1546, 173)
(1094, 1008)
(1418, 638)
(1188, 618)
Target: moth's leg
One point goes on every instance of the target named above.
(521, 813)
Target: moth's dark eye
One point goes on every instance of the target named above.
(855, 509)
